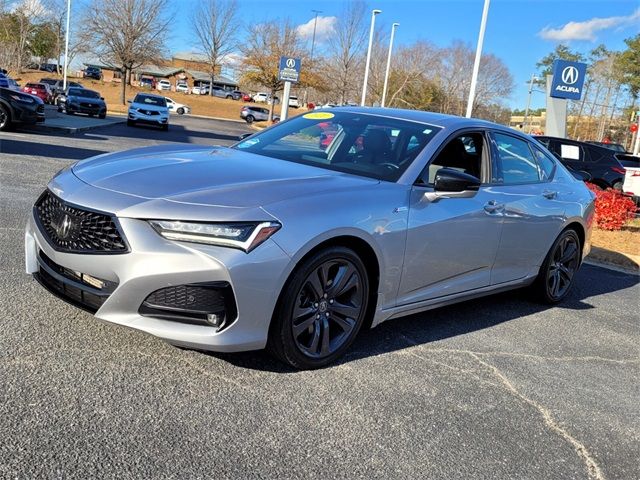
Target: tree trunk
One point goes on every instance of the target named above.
(123, 90)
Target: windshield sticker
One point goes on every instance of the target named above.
(318, 116)
(250, 142)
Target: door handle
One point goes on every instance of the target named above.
(493, 207)
(550, 194)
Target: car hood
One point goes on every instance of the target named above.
(97, 101)
(216, 176)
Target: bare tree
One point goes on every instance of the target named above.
(127, 33)
(216, 24)
(265, 44)
(344, 65)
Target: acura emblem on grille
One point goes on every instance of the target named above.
(62, 226)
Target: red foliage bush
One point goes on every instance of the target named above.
(613, 209)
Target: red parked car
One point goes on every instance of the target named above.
(40, 90)
(246, 97)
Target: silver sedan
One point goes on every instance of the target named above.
(298, 237)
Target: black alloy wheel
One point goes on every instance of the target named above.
(180, 111)
(324, 306)
(5, 118)
(557, 273)
(249, 119)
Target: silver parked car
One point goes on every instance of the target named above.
(297, 237)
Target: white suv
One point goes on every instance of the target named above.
(163, 85)
(148, 109)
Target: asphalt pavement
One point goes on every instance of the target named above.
(497, 388)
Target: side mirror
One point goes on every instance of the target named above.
(101, 98)
(454, 181)
(128, 101)
(244, 135)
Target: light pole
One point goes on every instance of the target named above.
(476, 63)
(366, 68)
(313, 44)
(386, 74)
(66, 47)
(526, 111)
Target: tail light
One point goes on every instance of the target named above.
(635, 174)
(619, 170)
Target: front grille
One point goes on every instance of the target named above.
(88, 105)
(72, 286)
(76, 230)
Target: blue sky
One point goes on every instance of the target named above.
(514, 28)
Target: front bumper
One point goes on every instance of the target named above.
(155, 263)
(79, 108)
(140, 117)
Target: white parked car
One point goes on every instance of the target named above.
(148, 109)
(260, 97)
(631, 184)
(182, 87)
(163, 85)
(293, 101)
(175, 107)
(200, 90)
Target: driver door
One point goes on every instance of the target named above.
(451, 242)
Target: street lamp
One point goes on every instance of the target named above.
(476, 63)
(526, 111)
(366, 68)
(66, 47)
(386, 74)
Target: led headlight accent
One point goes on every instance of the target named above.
(245, 236)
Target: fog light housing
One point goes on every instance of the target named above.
(209, 304)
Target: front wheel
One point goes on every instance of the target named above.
(321, 310)
(5, 118)
(180, 111)
(559, 268)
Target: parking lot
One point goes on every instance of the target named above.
(494, 388)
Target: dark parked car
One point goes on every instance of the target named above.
(48, 67)
(605, 166)
(81, 100)
(17, 107)
(92, 72)
(56, 85)
(616, 147)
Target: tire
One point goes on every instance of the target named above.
(91, 115)
(164, 128)
(68, 112)
(556, 275)
(250, 118)
(59, 109)
(321, 309)
(229, 97)
(617, 186)
(131, 123)
(180, 111)
(102, 116)
(5, 118)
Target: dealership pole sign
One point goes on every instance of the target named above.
(568, 79)
(289, 69)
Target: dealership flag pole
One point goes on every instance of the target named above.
(66, 47)
(476, 63)
(366, 68)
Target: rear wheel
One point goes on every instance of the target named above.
(250, 119)
(559, 268)
(617, 186)
(321, 310)
(5, 118)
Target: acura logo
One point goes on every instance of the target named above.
(291, 62)
(62, 226)
(569, 75)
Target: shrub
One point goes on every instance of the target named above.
(613, 209)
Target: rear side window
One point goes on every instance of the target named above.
(545, 163)
(515, 161)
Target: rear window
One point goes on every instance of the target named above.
(37, 86)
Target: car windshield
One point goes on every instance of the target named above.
(357, 143)
(78, 92)
(150, 100)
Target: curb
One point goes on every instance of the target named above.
(618, 261)
(611, 266)
(74, 130)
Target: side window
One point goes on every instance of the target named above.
(546, 164)
(515, 160)
(462, 153)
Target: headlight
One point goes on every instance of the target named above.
(245, 236)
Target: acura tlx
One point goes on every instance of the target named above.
(297, 237)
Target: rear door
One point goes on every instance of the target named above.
(532, 205)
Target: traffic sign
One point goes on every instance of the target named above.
(568, 78)
(289, 69)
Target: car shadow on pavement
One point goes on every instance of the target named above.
(176, 133)
(454, 320)
(20, 147)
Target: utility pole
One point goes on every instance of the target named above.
(386, 75)
(526, 111)
(366, 68)
(476, 63)
(313, 44)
